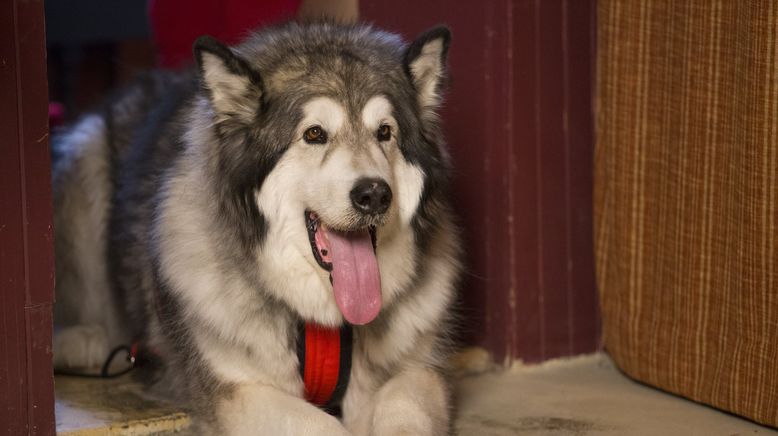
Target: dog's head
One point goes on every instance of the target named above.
(329, 161)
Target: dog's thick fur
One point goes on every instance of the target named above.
(180, 222)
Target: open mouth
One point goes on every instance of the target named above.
(350, 258)
(319, 241)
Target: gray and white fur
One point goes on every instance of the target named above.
(180, 221)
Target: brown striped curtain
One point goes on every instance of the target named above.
(685, 197)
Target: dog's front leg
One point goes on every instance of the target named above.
(263, 410)
(414, 402)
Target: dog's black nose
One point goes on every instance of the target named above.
(371, 196)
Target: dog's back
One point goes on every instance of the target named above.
(95, 161)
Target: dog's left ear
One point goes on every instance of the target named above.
(234, 88)
(425, 64)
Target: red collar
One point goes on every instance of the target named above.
(325, 363)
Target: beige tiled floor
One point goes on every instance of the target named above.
(584, 396)
(579, 396)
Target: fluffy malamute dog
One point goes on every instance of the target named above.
(273, 230)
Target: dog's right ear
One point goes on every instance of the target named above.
(425, 64)
(234, 88)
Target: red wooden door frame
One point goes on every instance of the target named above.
(26, 237)
(519, 121)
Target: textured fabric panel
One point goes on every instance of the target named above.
(685, 197)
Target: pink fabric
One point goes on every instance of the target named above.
(56, 114)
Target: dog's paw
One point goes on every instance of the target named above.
(80, 347)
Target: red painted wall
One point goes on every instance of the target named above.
(26, 251)
(519, 122)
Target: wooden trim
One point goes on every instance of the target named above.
(26, 237)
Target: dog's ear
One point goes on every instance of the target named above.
(425, 64)
(234, 88)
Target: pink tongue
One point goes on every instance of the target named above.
(355, 277)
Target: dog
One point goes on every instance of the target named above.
(273, 230)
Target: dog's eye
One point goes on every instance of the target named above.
(315, 135)
(384, 133)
